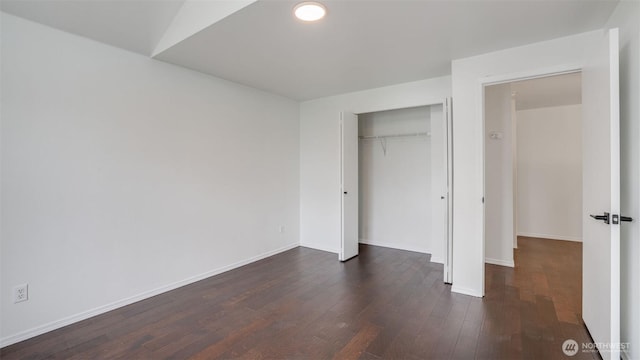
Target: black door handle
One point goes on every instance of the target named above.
(615, 219)
(604, 217)
(345, 193)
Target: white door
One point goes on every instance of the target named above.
(601, 194)
(349, 185)
(448, 153)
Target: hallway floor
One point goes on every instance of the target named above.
(536, 306)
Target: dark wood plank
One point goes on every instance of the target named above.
(357, 345)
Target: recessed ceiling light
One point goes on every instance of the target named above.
(309, 11)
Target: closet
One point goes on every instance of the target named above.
(402, 179)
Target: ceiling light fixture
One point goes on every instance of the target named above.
(309, 11)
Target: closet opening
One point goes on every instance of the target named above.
(395, 181)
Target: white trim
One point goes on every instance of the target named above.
(448, 249)
(500, 262)
(321, 248)
(530, 74)
(465, 291)
(551, 237)
(366, 110)
(39, 330)
(341, 193)
(393, 246)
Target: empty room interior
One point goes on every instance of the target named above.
(261, 179)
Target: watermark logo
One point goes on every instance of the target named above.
(570, 347)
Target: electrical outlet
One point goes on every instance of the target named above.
(281, 228)
(21, 293)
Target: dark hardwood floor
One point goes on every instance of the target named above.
(304, 304)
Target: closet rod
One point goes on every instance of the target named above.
(395, 135)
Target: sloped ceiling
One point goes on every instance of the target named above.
(132, 25)
(360, 44)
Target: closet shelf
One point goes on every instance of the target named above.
(383, 138)
(395, 136)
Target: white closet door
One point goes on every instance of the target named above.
(601, 194)
(349, 188)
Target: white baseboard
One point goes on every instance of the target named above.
(393, 246)
(321, 248)
(500, 262)
(465, 291)
(552, 237)
(437, 260)
(39, 330)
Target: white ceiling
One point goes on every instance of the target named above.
(548, 91)
(361, 44)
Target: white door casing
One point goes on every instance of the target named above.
(448, 154)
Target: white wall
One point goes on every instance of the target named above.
(123, 177)
(395, 188)
(320, 157)
(467, 74)
(499, 191)
(550, 172)
(626, 18)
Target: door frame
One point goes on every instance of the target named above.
(447, 113)
(497, 80)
